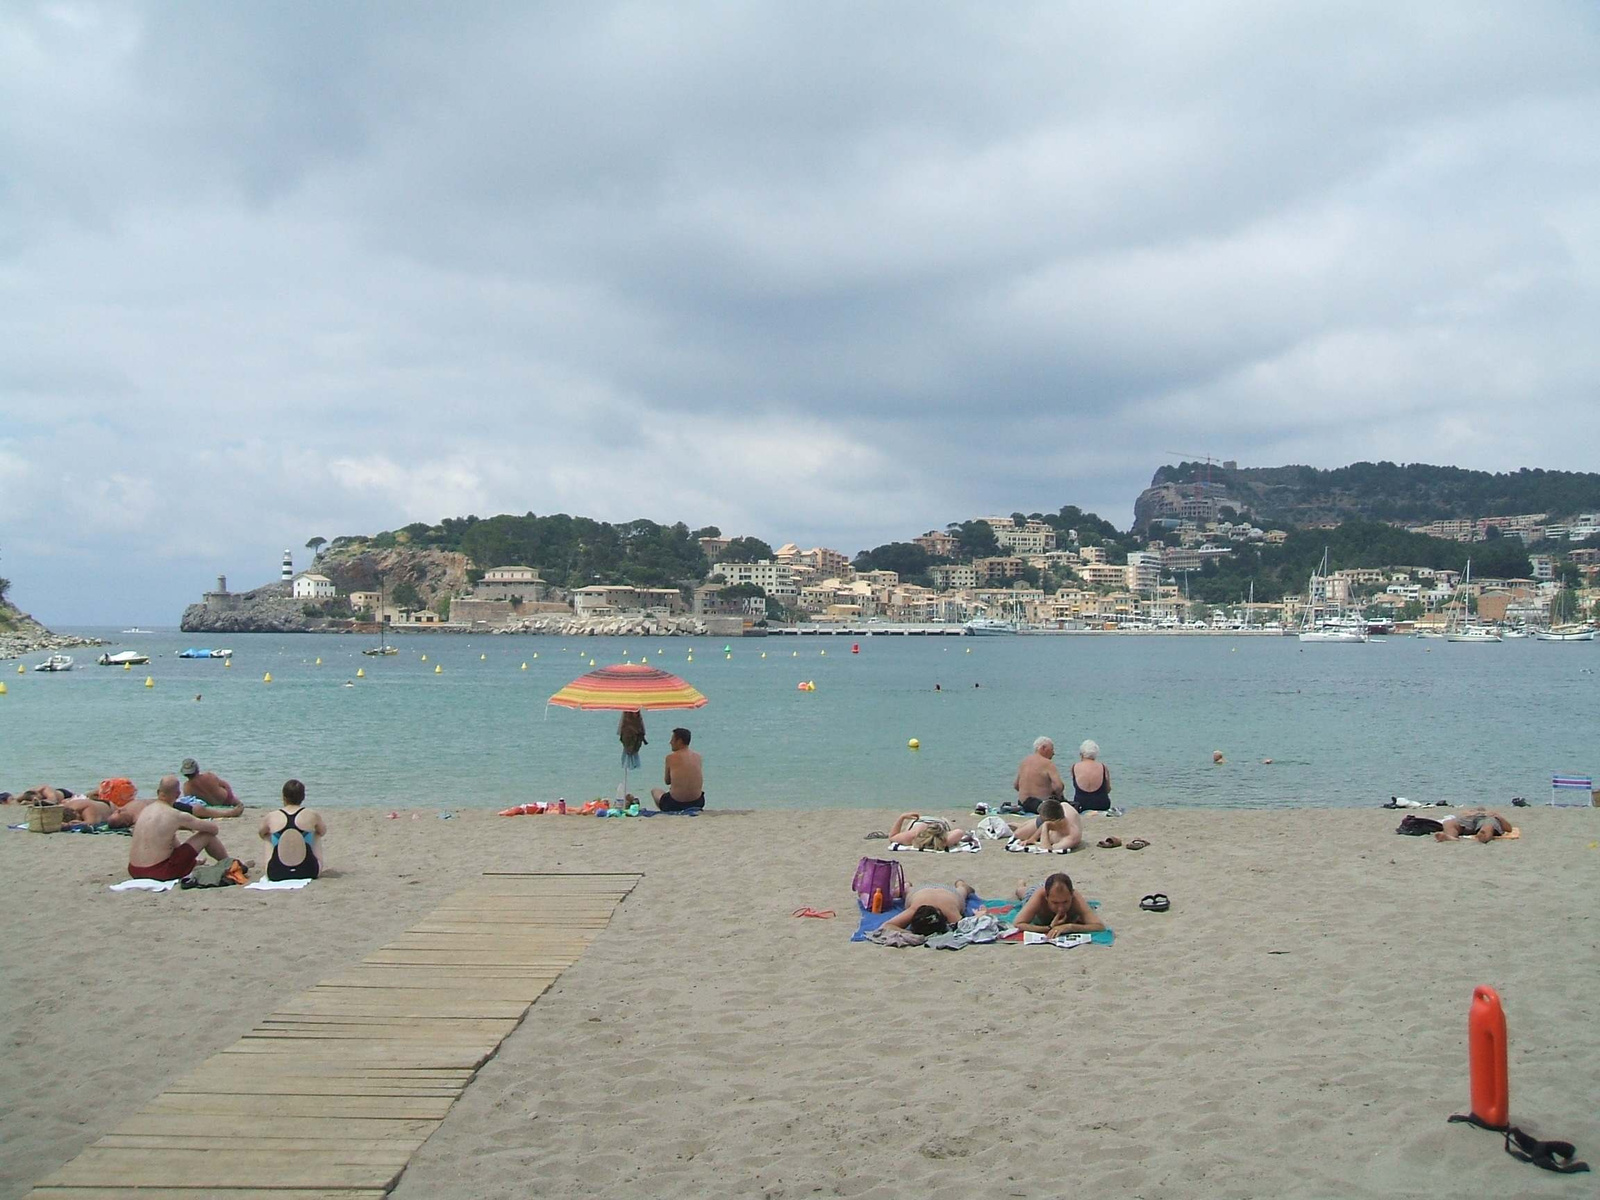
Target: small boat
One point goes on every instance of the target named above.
(1566, 633)
(136, 629)
(124, 658)
(1316, 626)
(1429, 633)
(1460, 626)
(193, 652)
(56, 662)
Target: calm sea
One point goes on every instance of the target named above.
(1344, 725)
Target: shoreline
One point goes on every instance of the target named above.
(1307, 991)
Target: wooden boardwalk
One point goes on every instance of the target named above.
(329, 1097)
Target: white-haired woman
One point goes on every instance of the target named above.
(1091, 781)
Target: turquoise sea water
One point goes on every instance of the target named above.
(1344, 725)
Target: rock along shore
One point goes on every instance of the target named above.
(555, 624)
(20, 635)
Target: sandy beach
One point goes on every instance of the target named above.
(1294, 1026)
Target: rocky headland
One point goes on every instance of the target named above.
(20, 634)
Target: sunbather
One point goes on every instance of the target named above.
(1057, 827)
(1054, 907)
(297, 836)
(932, 908)
(1479, 824)
(156, 852)
(926, 833)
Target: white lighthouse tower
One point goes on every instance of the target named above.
(288, 567)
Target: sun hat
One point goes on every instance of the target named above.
(189, 768)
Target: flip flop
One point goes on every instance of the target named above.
(1137, 844)
(1156, 903)
(877, 835)
(826, 914)
(1110, 843)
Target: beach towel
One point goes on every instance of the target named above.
(1006, 911)
(1016, 847)
(871, 920)
(145, 885)
(276, 885)
(963, 848)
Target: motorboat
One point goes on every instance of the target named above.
(988, 627)
(136, 629)
(56, 662)
(193, 652)
(124, 658)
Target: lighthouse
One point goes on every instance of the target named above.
(288, 567)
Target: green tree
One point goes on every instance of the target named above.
(315, 545)
(5, 586)
(744, 591)
(974, 539)
(1411, 610)
(909, 560)
(405, 595)
(745, 549)
(1564, 607)
(710, 531)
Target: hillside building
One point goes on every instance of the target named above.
(312, 587)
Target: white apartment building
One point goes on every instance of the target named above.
(953, 577)
(312, 587)
(775, 579)
(1103, 574)
(1031, 537)
(1143, 572)
(1544, 566)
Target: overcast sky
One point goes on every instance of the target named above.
(823, 273)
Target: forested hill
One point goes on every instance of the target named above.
(1381, 491)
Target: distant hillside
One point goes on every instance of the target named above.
(1382, 491)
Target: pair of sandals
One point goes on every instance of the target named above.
(1157, 902)
(1111, 843)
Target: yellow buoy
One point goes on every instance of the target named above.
(267, 678)
(149, 681)
(127, 666)
(591, 662)
(2, 689)
(482, 657)
(914, 744)
(226, 663)
(824, 654)
(794, 654)
(319, 662)
(727, 656)
(691, 658)
(969, 649)
(644, 658)
(21, 670)
(438, 668)
(536, 654)
(424, 658)
(524, 666)
(361, 672)
(763, 654)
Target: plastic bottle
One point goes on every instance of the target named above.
(877, 900)
(561, 806)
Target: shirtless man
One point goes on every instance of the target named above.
(1478, 823)
(932, 908)
(685, 778)
(207, 795)
(157, 852)
(1037, 778)
(1057, 829)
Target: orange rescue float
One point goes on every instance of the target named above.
(1486, 1057)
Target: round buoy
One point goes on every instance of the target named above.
(319, 662)
(438, 669)
(361, 672)
(267, 678)
(149, 681)
(914, 744)
(855, 647)
(969, 649)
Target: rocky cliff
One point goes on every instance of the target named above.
(265, 610)
(20, 634)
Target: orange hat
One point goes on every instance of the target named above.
(117, 792)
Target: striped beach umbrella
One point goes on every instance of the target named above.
(626, 686)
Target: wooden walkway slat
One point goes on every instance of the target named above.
(368, 1062)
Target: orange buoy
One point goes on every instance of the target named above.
(855, 647)
(1486, 1058)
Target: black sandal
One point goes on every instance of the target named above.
(1156, 903)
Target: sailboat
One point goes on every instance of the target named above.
(1338, 628)
(1466, 629)
(382, 649)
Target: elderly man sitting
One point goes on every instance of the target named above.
(1037, 778)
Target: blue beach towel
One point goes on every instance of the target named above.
(871, 920)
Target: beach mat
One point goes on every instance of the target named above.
(1005, 911)
(871, 920)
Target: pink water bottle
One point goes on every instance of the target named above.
(561, 806)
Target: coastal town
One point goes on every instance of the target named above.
(993, 573)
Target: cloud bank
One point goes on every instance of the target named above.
(820, 273)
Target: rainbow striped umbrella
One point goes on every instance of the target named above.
(626, 686)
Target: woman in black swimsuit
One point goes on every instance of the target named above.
(1091, 780)
(296, 835)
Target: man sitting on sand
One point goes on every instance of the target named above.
(1057, 828)
(157, 853)
(1037, 778)
(685, 778)
(1479, 823)
(932, 908)
(206, 794)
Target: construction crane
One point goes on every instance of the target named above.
(1201, 487)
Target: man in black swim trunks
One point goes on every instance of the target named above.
(1038, 778)
(685, 778)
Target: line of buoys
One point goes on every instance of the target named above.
(267, 678)
(361, 672)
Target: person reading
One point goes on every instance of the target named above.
(1054, 907)
(685, 778)
(157, 851)
(296, 836)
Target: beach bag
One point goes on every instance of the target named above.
(117, 792)
(875, 875)
(1415, 826)
(230, 872)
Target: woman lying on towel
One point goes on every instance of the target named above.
(932, 908)
(926, 833)
(1056, 827)
(1055, 907)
